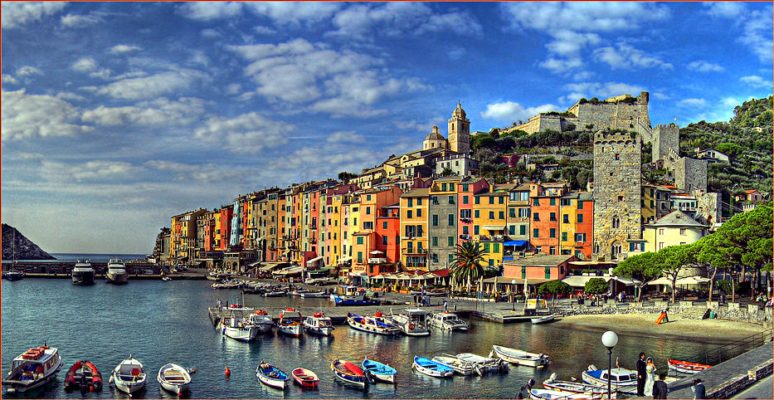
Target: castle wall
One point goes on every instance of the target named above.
(664, 139)
(708, 207)
(691, 174)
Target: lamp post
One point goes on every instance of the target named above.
(513, 295)
(609, 340)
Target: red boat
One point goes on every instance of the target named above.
(687, 367)
(84, 375)
(305, 378)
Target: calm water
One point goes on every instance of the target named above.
(161, 322)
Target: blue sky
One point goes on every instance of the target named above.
(116, 116)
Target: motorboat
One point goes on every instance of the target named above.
(116, 271)
(32, 369)
(687, 367)
(262, 321)
(13, 275)
(305, 378)
(373, 324)
(461, 367)
(622, 378)
(543, 319)
(351, 296)
(520, 357)
(349, 373)
(238, 328)
(83, 375)
(166, 278)
(412, 322)
(129, 376)
(83, 273)
(276, 293)
(313, 295)
(174, 379)
(271, 376)
(378, 371)
(431, 368)
(573, 387)
(290, 322)
(547, 394)
(483, 365)
(447, 321)
(319, 324)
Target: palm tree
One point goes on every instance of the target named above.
(467, 263)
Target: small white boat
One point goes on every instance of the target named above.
(413, 322)
(431, 368)
(483, 365)
(166, 279)
(32, 369)
(459, 366)
(290, 322)
(543, 319)
(238, 328)
(622, 378)
(174, 378)
(83, 273)
(129, 376)
(116, 271)
(314, 295)
(375, 324)
(447, 321)
(319, 324)
(262, 321)
(277, 293)
(574, 387)
(547, 394)
(520, 357)
(271, 376)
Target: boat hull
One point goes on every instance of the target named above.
(327, 331)
(525, 359)
(305, 378)
(432, 368)
(587, 378)
(359, 323)
(73, 380)
(543, 320)
(272, 382)
(14, 387)
(290, 330)
(241, 334)
(128, 388)
(83, 278)
(117, 279)
(687, 367)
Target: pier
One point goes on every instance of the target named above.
(62, 270)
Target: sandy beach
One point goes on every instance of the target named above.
(705, 330)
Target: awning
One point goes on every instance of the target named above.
(377, 252)
(290, 271)
(271, 266)
(344, 259)
(693, 280)
(253, 264)
(661, 281)
(505, 280)
(580, 281)
(517, 243)
(494, 227)
(311, 262)
(627, 281)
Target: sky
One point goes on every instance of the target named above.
(116, 116)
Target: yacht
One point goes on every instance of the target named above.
(448, 322)
(32, 369)
(413, 322)
(116, 271)
(83, 273)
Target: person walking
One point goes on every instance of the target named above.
(650, 377)
(445, 305)
(641, 366)
(699, 392)
(660, 389)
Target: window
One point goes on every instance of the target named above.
(450, 241)
(360, 257)
(465, 230)
(368, 209)
(535, 233)
(478, 200)
(552, 251)
(566, 202)
(580, 205)
(552, 233)
(435, 241)
(523, 213)
(443, 187)
(522, 229)
(359, 240)
(419, 213)
(435, 258)
(475, 230)
(384, 225)
(451, 199)
(368, 197)
(617, 156)
(523, 271)
(434, 200)
(451, 259)
(501, 199)
(491, 262)
(552, 217)
(465, 214)
(384, 240)
(682, 231)
(580, 237)
(564, 236)
(486, 247)
(616, 222)
(566, 218)
(419, 201)
(496, 247)
(491, 199)
(451, 185)
(511, 229)
(368, 225)
(548, 270)
(410, 202)
(580, 218)
(660, 245)
(536, 217)
(616, 250)
(435, 220)
(410, 247)
(552, 202)
(477, 213)
(511, 213)
(465, 187)
(464, 199)
(451, 219)
(535, 202)
(491, 215)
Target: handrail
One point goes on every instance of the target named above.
(721, 353)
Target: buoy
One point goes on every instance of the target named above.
(227, 372)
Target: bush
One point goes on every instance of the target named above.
(596, 286)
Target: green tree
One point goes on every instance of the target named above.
(642, 267)
(596, 286)
(554, 288)
(672, 261)
(447, 172)
(467, 264)
(344, 176)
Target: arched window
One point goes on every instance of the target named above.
(616, 249)
(616, 222)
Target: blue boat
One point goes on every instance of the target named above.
(378, 371)
(349, 373)
(351, 296)
(432, 368)
(271, 376)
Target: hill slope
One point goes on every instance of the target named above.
(23, 248)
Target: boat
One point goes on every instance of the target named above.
(238, 328)
(305, 378)
(543, 319)
(573, 387)
(319, 324)
(276, 293)
(271, 376)
(13, 275)
(431, 368)
(262, 321)
(174, 378)
(378, 371)
(687, 367)
(483, 365)
(32, 369)
(520, 357)
(448, 322)
(548, 394)
(460, 367)
(413, 322)
(116, 271)
(351, 296)
(83, 273)
(290, 322)
(216, 276)
(349, 373)
(166, 279)
(129, 376)
(375, 324)
(314, 295)
(83, 375)
(622, 378)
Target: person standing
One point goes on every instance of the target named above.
(641, 366)
(650, 377)
(660, 389)
(699, 393)
(445, 305)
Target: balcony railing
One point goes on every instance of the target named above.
(415, 251)
(377, 261)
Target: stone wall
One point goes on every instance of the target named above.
(664, 139)
(708, 207)
(683, 309)
(691, 174)
(614, 114)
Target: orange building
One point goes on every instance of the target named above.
(545, 209)
(367, 248)
(467, 191)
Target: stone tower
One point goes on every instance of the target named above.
(617, 193)
(459, 131)
(666, 142)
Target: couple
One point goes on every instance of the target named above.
(646, 376)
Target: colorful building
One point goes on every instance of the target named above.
(577, 225)
(413, 229)
(466, 197)
(443, 222)
(489, 223)
(545, 210)
(676, 228)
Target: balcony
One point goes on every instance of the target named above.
(493, 238)
(414, 251)
(377, 261)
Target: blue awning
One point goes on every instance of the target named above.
(517, 243)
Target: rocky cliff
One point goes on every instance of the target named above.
(23, 248)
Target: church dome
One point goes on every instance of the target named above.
(458, 112)
(434, 135)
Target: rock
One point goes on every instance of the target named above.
(16, 245)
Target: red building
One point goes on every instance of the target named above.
(537, 269)
(545, 210)
(388, 232)
(466, 198)
(223, 232)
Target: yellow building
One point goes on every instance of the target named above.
(333, 225)
(489, 224)
(655, 202)
(676, 228)
(413, 228)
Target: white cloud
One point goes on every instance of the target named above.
(153, 85)
(756, 81)
(27, 70)
(692, 102)
(123, 48)
(599, 89)
(85, 64)
(201, 173)
(16, 14)
(207, 11)
(96, 170)
(210, 33)
(80, 21)
(361, 21)
(509, 111)
(755, 25)
(159, 112)
(705, 66)
(294, 13)
(244, 134)
(264, 30)
(9, 79)
(27, 116)
(725, 9)
(233, 88)
(624, 56)
(345, 137)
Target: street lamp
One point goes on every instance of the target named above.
(513, 294)
(609, 339)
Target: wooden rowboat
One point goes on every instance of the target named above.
(305, 378)
(687, 367)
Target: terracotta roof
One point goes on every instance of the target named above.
(422, 192)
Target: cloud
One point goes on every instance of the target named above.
(755, 25)
(705, 66)
(264, 30)
(9, 79)
(210, 33)
(27, 70)
(624, 56)
(200, 173)
(207, 11)
(97, 170)
(345, 137)
(292, 13)
(244, 134)
(509, 111)
(692, 102)
(85, 64)
(26, 116)
(599, 89)
(756, 81)
(123, 48)
(80, 21)
(362, 21)
(159, 112)
(153, 85)
(725, 9)
(16, 14)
